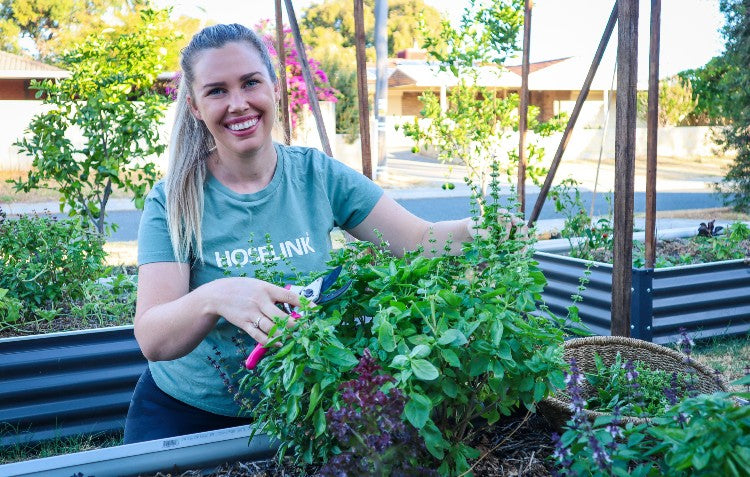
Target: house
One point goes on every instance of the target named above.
(554, 85)
(19, 104)
(16, 73)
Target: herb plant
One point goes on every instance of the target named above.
(44, 260)
(369, 430)
(697, 435)
(633, 387)
(463, 337)
(587, 237)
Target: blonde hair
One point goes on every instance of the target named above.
(191, 142)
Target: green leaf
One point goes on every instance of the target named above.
(420, 351)
(424, 370)
(449, 387)
(320, 422)
(504, 351)
(292, 409)
(478, 365)
(453, 337)
(701, 459)
(433, 440)
(399, 361)
(385, 337)
(418, 409)
(450, 357)
(314, 398)
(339, 356)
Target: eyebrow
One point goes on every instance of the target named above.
(244, 77)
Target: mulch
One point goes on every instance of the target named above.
(516, 446)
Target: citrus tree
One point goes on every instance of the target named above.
(99, 126)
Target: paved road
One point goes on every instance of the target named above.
(447, 208)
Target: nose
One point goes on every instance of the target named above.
(237, 101)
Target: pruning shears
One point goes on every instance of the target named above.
(314, 294)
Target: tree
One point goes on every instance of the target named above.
(478, 123)
(56, 26)
(331, 23)
(100, 124)
(706, 82)
(676, 101)
(735, 85)
(328, 28)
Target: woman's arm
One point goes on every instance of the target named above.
(170, 320)
(402, 230)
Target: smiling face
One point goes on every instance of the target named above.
(234, 95)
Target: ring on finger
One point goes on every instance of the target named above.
(256, 323)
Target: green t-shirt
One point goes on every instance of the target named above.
(308, 196)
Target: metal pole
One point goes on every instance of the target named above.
(310, 85)
(381, 79)
(574, 116)
(364, 110)
(625, 118)
(523, 108)
(652, 132)
(281, 53)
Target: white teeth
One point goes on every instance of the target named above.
(244, 125)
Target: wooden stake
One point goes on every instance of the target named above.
(625, 119)
(364, 111)
(574, 116)
(281, 52)
(523, 108)
(310, 85)
(652, 132)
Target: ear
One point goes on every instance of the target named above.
(194, 109)
(277, 91)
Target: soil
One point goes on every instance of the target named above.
(519, 445)
(682, 252)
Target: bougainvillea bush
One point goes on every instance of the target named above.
(299, 100)
(463, 337)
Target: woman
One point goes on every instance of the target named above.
(227, 182)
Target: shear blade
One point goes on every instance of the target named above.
(335, 294)
(330, 279)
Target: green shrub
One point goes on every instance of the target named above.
(463, 336)
(44, 260)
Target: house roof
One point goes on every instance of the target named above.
(561, 74)
(21, 67)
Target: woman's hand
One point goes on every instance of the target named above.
(251, 304)
(512, 225)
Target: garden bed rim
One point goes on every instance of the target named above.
(597, 264)
(205, 449)
(57, 334)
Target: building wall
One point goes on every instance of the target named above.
(15, 89)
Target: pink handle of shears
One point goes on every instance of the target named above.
(259, 351)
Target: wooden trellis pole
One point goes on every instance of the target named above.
(652, 132)
(310, 85)
(574, 115)
(523, 108)
(625, 121)
(364, 112)
(281, 53)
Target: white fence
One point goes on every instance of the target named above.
(585, 143)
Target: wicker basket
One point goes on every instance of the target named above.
(557, 409)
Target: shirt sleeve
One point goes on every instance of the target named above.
(154, 244)
(351, 194)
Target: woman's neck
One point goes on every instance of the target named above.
(244, 175)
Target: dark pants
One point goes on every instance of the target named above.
(154, 414)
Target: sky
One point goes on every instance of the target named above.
(690, 29)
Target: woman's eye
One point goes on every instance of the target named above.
(251, 82)
(214, 91)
